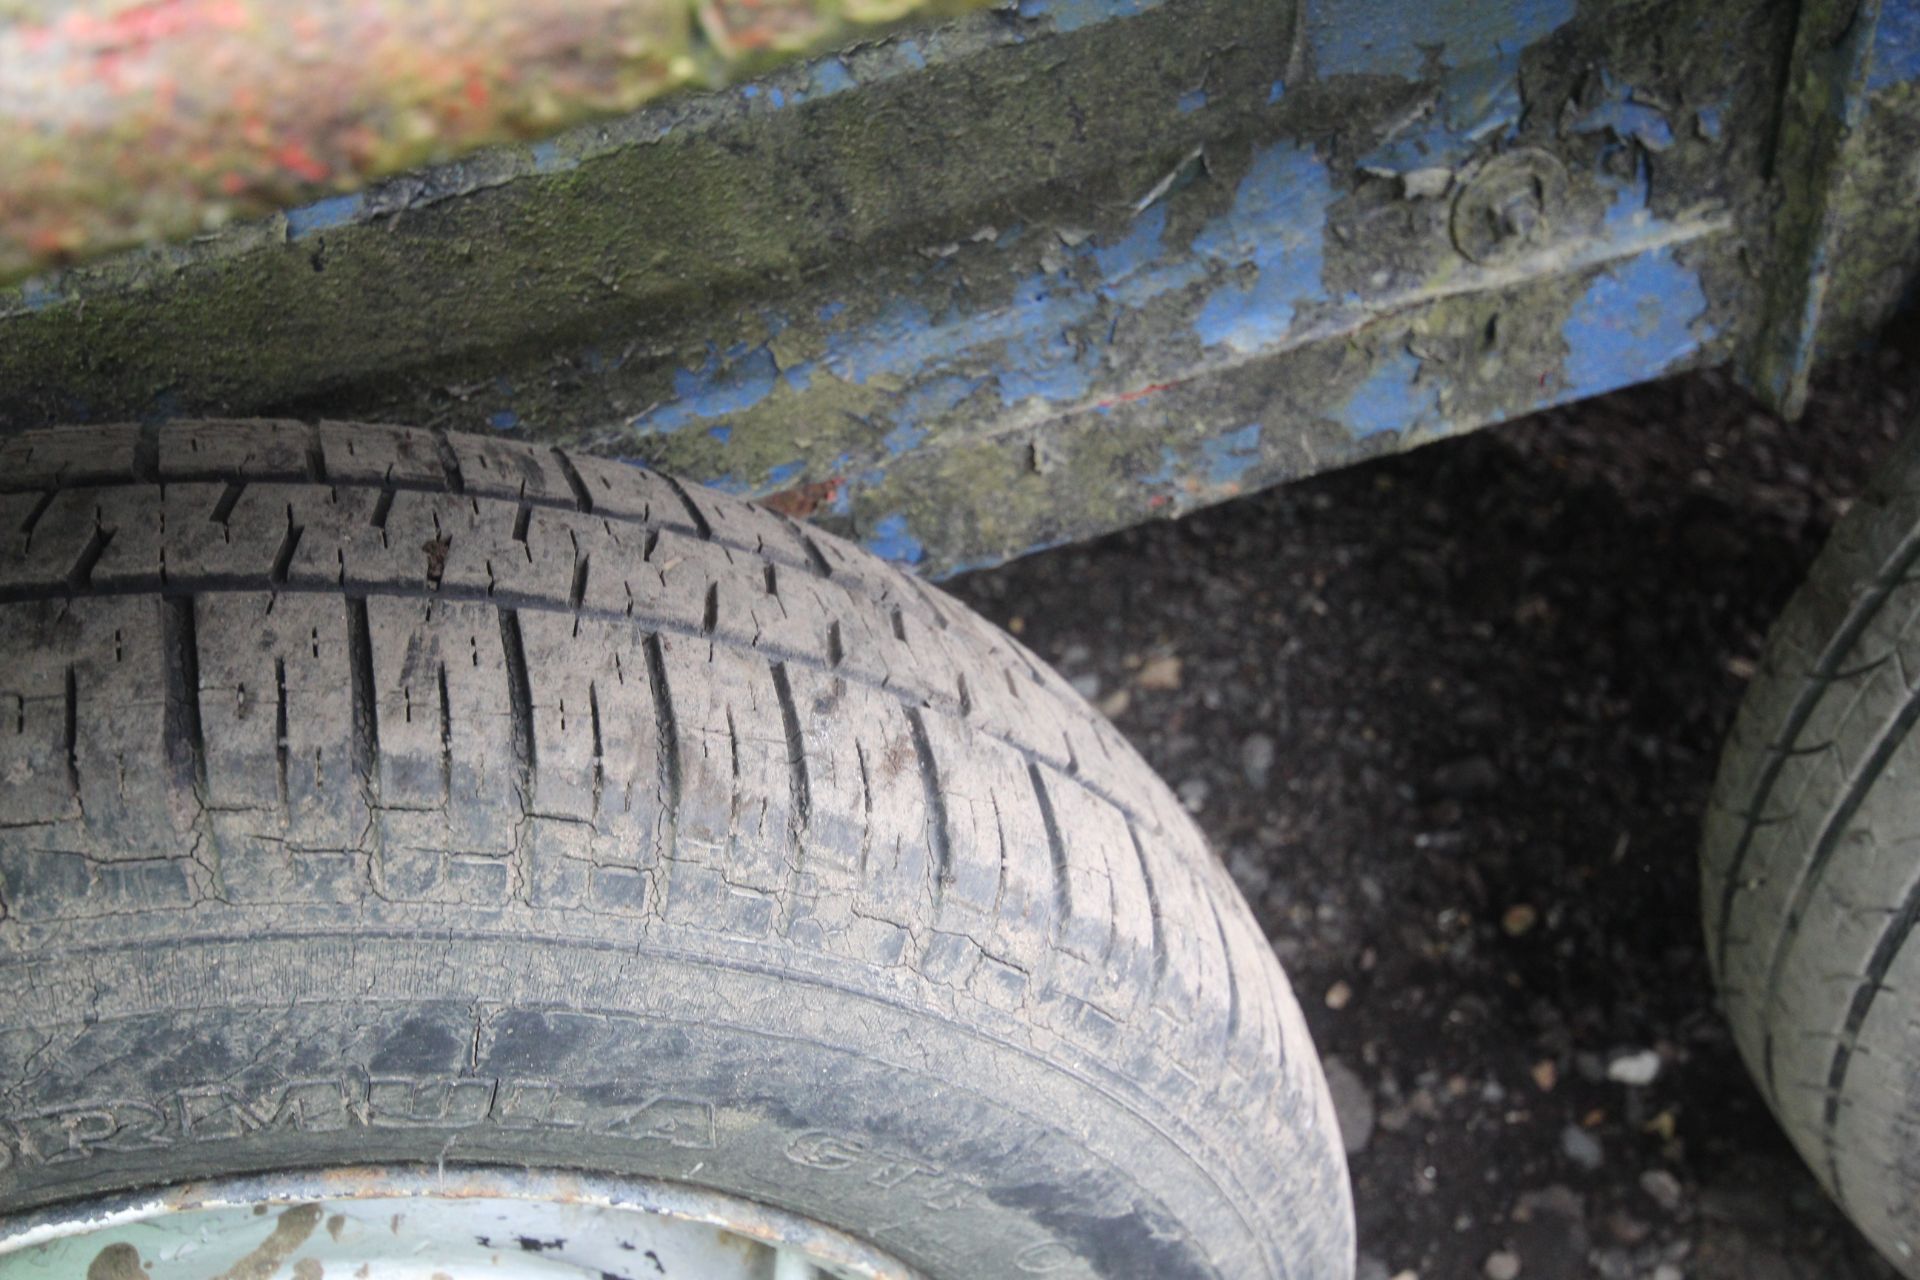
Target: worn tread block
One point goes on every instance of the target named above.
(629, 493)
(54, 458)
(244, 450)
(403, 457)
(443, 715)
(506, 469)
(49, 884)
(278, 734)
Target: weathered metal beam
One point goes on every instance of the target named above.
(1846, 230)
(124, 121)
(1025, 277)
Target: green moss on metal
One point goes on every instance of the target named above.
(661, 221)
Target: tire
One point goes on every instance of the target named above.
(371, 795)
(1811, 862)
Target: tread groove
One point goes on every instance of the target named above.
(866, 809)
(382, 507)
(229, 499)
(283, 557)
(316, 455)
(1865, 609)
(798, 782)
(519, 704)
(71, 732)
(577, 590)
(449, 461)
(1056, 848)
(146, 454)
(599, 747)
(668, 732)
(1233, 980)
(694, 514)
(364, 746)
(1160, 956)
(1886, 950)
(280, 732)
(389, 486)
(446, 734)
(186, 741)
(435, 589)
(938, 834)
(80, 576)
(1831, 832)
(582, 500)
(812, 548)
(33, 517)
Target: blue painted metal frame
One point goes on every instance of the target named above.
(1276, 238)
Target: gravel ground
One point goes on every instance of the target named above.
(1451, 719)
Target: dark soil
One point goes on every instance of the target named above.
(1451, 718)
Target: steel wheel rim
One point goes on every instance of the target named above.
(387, 1223)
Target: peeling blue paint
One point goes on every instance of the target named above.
(831, 77)
(1071, 15)
(1039, 359)
(1395, 37)
(1047, 365)
(1192, 100)
(890, 540)
(1475, 104)
(1896, 45)
(322, 215)
(1275, 226)
(549, 158)
(1043, 343)
(900, 338)
(1226, 458)
(724, 385)
(902, 438)
(1484, 100)
(1709, 119)
(37, 295)
(1636, 320)
(1166, 473)
(1276, 91)
(504, 420)
(1629, 120)
(1628, 211)
(909, 51)
(936, 396)
(1133, 252)
(1391, 399)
